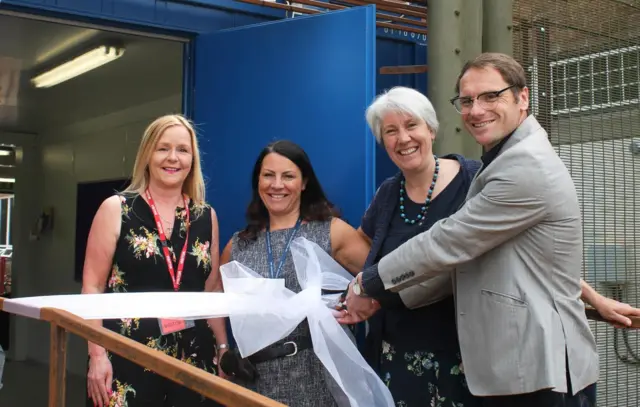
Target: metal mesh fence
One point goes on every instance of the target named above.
(583, 65)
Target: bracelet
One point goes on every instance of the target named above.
(222, 346)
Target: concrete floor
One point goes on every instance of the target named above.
(26, 384)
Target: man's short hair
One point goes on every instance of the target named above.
(510, 70)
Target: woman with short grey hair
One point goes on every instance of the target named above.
(405, 100)
(415, 351)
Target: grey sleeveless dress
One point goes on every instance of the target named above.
(299, 380)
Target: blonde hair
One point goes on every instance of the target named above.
(194, 183)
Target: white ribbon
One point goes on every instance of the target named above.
(316, 270)
(262, 311)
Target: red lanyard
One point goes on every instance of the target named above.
(175, 279)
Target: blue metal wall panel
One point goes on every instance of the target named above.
(402, 35)
(285, 88)
(136, 10)
(94, 7)
(188, 16)
(393, 47)
(391, 52)
(195, 16)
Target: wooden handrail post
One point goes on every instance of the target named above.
(189, 376)
(192, 377)
(57, 366)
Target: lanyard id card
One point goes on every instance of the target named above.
(169, 326)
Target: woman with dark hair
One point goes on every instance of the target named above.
(288, 202)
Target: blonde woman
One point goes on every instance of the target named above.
(163, 210)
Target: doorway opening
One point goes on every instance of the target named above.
(74, 103)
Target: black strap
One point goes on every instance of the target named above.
(329, 292)
(288, 348)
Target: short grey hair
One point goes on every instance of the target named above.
(401, 99)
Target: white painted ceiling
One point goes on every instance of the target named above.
(149, 70)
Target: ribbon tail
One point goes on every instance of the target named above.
(352, 382)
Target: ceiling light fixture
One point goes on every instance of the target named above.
(78, 66)
(5, 153)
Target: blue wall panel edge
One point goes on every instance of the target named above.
(370, 178)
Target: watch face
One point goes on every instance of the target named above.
(356, 288)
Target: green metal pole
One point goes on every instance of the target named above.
(472, 23)
(455, 35)
(497, 27)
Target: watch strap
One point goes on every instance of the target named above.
(360, 290)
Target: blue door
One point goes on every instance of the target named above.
(307, 79)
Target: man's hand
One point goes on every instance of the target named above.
(357, 308)
(617, 313)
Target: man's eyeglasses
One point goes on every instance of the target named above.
(485, 100)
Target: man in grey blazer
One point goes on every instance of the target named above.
(516, 247)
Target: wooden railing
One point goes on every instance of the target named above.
(209, 385)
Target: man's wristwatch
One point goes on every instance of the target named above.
(357, 287)
(222, 346)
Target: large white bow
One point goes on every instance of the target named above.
(316, 270)
(262, 311)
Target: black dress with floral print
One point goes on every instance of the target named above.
(139, 266)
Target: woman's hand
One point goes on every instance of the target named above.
(99, 379)
(221, 372)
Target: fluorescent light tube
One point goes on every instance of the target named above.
(4, 153)
(11, 180)
(78, 66)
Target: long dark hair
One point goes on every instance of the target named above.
(314, 205)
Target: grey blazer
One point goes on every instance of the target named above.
(516, 247)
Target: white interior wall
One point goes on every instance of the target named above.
(47, 175)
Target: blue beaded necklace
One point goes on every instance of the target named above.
(423, 210)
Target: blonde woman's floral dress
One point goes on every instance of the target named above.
(139, 266)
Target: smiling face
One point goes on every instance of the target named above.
(171, 160)
(280, 185)
(408, 141)
(491, 124)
